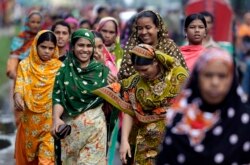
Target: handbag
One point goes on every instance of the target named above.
(63, 131)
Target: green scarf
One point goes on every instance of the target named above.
(74, 85)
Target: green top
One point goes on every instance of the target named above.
(74, 85)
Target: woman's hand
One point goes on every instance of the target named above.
(18, 102)
(56, 123)
(112, 78)
(124, 150)
(11, 74)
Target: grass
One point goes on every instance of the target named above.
(5, 50)
(5, 41)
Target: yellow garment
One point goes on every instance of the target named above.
(35, 81)
(36, 78)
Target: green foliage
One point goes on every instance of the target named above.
(5, 50)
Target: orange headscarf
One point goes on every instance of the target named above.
(35, 79)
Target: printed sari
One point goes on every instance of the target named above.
(35, 81)
(147, 102)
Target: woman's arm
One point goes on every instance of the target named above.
(56, 117)
(57, 97)
(18, 96)
(127, 124)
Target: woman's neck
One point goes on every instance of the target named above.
(84, 64)
(62, 51)
(195, 44)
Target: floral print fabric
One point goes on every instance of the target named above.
(87, 142)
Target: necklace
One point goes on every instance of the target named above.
(159, 87)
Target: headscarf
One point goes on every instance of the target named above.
(104, 20)
(73, 85)
(110, 61)
(21, 43)
(200, 133)
(72, 20)
(116, 48)
(36, 78)
(165, 45)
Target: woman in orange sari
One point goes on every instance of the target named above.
(33, 96)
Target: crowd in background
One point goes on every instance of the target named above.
(88, 80)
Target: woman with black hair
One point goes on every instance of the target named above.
(33, 97)
(195, 31)
(145, 98)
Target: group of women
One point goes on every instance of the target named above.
(204, 123)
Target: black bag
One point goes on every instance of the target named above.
(63, 131)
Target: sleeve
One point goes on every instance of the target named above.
(181, 75)
(20, 81)
(58, 90)
(16, 44)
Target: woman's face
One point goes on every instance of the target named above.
(46, 50)
(147, 31)
(98, 55)
(196, 32)
(108, 32)
(34, 23)
(215, 81)
(148, 72)
(83, 51)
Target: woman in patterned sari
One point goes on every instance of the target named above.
(150, 29)
(33, 97)
(147, 96)
(75, 105)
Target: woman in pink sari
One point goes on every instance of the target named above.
(196, 31)
(102, 54)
